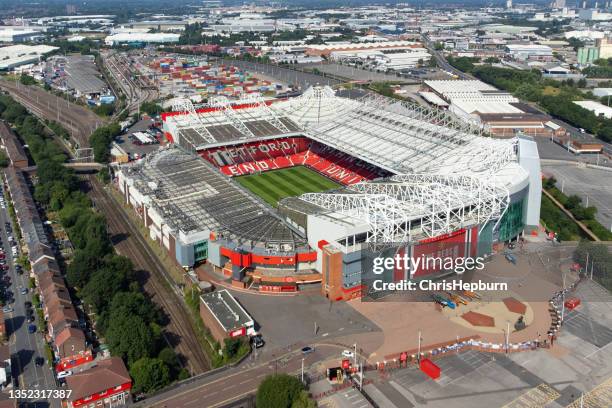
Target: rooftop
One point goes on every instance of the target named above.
(107, 374)
(226, 309)
(194, 197)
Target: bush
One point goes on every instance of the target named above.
(4, 160)
(149, 374)
(27, 79)
(278, 391)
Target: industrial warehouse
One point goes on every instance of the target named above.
(303, 190)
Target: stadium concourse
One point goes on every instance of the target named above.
(374, 171)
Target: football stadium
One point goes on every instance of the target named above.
(299, 190)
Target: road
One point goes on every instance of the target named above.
(441, 60)
(24, 346)
(285, 75)
(236, 383)
(179, 332)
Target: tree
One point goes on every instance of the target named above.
(149, 374)
(104, 109)
(231, 346)
(278, 391)
(303, 401)
(129, 303)
(101, 140)
(4, 160)
(150, 108)
(102, 286)
(26, 79)
(172, 361)
(130, 338)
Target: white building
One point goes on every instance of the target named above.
(596, 107)
(14, 56)
(522, 52)
(594, 15)
(470, 98)
(19, 34)
(383, 61)
(127, 38)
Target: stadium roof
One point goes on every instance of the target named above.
(449, 156)
(192, 197)
(411, 207)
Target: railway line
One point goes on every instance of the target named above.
(134, 247)
(135, 95)
(77, 120)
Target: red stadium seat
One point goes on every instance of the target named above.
(281, 153)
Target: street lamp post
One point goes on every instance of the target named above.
(419, 349)
(302, 370)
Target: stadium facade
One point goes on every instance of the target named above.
(413, 179)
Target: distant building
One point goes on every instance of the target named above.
(15, 56)
(594, 15)
(327, 49)
(605, 47)
(532, 52)
(599, 109)
(586, 55)
(141, 38)
(497, 112)
(15, 34)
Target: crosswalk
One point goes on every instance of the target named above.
(536, 397)
(598, 397)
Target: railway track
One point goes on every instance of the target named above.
(134, 247)
(119, 68)
(77, 120)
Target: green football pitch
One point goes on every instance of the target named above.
(275, 185)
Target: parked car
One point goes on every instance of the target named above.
(24, 291)
(348, 354)
(258, 341)
(39, 361)
(7, 309)
(64, 374)
(32, 328)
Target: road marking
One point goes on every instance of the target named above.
(598, 397)
(240, 372)
(536, 397)
(219, 404)
(598, 350)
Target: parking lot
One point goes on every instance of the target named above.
(304, 319)
(586, 183)
(129, 144)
